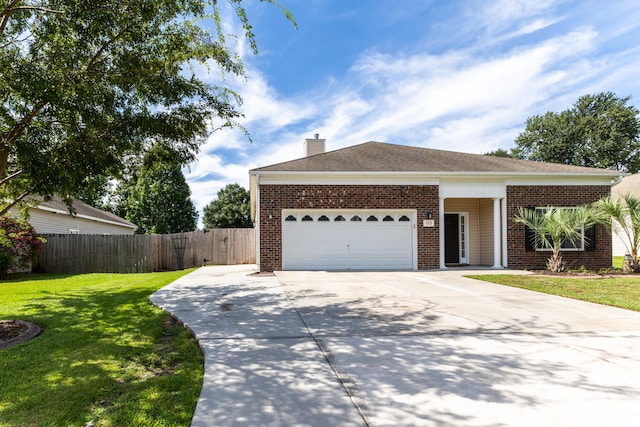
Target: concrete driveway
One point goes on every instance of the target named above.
(403, 349)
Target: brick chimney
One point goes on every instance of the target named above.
(313, 146)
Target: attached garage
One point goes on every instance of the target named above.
(339, 239)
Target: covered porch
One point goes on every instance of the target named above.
(473, 225)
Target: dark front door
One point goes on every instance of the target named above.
(451, 239)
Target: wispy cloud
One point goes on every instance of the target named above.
(521, 59)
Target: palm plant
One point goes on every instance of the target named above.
(553, 227)
(623, 217)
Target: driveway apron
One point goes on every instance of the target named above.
(404, 349)
(262, 367)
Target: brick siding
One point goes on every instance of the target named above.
(560, 196)
(274, 198)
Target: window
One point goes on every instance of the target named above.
(372, 218)
(290, 218)
(339, 218)
(585, 241)
(356, 218)
(307, 218)
(404, 218)
(387, 218)
(323, 218)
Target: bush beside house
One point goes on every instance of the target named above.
(19, 242)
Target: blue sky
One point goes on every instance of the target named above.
(455, 75)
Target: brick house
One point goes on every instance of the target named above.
(378, 206)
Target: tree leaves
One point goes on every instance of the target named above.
(85, 83)
(230, 210)
(601, 131)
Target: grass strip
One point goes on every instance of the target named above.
(618, 291)
(106, 357)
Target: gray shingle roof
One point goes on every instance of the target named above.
(382, 157)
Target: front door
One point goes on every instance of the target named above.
(456, 238)
(451, 239)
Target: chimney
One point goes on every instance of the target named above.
(313, 146)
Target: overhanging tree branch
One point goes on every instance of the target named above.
(14, 202)
(10, 177)
(11, 10)
(18, 130)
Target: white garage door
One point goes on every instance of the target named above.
(348, 240)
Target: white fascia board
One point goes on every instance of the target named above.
(434, 178)
(566, 180)
(90, 218)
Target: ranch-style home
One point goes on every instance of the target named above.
(379, 206)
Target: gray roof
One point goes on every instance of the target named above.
(85, 210)
(382, 157)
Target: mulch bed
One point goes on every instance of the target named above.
(14, 332)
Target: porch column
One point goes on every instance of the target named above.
(441, 232)
(497, 241)
(505, 263)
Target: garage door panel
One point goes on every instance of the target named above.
(347, 245)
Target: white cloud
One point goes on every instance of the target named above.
(474, 99)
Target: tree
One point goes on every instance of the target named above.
(553, 227)
(623, 217)
(160, 201)
(87, 82)
(95, 191)
(230, 210)
(600, 130)
(500, 152)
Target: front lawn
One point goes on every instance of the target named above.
(619, 291)
(106, 357)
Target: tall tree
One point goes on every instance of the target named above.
(600, 130)
(229, 210)
(160, 201)
(86, 82)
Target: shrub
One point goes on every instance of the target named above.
(6, 258)
(19, 242)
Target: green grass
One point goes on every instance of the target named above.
(106, 354)
(618, 291)
(618, 261)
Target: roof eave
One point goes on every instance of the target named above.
(91, 218)
(495, 174)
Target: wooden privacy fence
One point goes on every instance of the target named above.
(141, 253)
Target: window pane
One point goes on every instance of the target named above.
(388, 218)
(323, 218)
(404, 218)
(356, 218)
(372, 218)
(339, 218)
(290, 218)
(307, 218)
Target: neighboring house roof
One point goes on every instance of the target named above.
(382, 157)
(83, 210)
(629, 184)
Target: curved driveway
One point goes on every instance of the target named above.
(403, 349)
